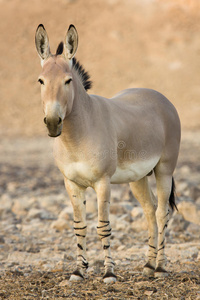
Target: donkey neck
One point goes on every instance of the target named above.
(76, 124)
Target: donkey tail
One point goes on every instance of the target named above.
(172, 196)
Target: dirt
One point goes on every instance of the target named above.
(41, 285)
(38, 245)
(147, 43)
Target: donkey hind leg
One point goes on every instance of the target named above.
(77, 196)
(145, 196)
(164, 192)
(102, 189)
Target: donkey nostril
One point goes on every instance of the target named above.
(59, 121)
(45, 120)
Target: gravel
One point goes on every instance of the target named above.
(38, 245)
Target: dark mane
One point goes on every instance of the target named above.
(59, 50)
(85, 77)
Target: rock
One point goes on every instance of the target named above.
(31, 248)
(177, 223)
(148, 293)
(127, 206)
(139, 224)
(65, 283)
(185, 170)
(34, 213)
(30, 227)
(194, 192)
(126, 217)
(117, 209)
(190, 211)
(60, 247)
(12, 186)
(122, 225)
(198, 201)
(6, 203)
(66, 213)
(181, 187)
(198, 257)
(58, 267)
(121, 247)
(18, 256)
(2, 240)
(61, 224)
(193, 228)
(113, 220)
(137, 212)
(20, 207)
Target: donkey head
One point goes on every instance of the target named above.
(57, 90)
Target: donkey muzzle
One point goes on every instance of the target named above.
(54, 126)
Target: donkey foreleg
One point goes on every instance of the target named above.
(77, 196)
(102, 189)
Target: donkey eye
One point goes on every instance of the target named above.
(68, 81)
(40, 81)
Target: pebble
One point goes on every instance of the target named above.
(185, 170)
(2, 240)
(20, 208)
(66, 213)
(181, 186)
(137, 212)
(6, 203)
(121, 225)
(139, 224)
(193, 228)
(61, 224)
(65, 283)
(178, 223)
(35, 213)
(190, 211)
(198, 201)
(117, 209)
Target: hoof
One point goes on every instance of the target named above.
(76, 276)
(160, 273)
(109, 277)
(148, 270)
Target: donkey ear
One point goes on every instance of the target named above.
(42, 43)
(71, 42)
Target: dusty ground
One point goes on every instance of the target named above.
(38, 245)
(130, 43)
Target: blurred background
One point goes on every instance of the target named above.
(122, 44)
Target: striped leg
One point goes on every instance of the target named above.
(144, 195)
(77, 196)
(102, 189)
(164, 184)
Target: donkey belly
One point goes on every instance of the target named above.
(134, 171)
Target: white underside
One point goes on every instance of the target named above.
(82, 173)
(134, 171)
